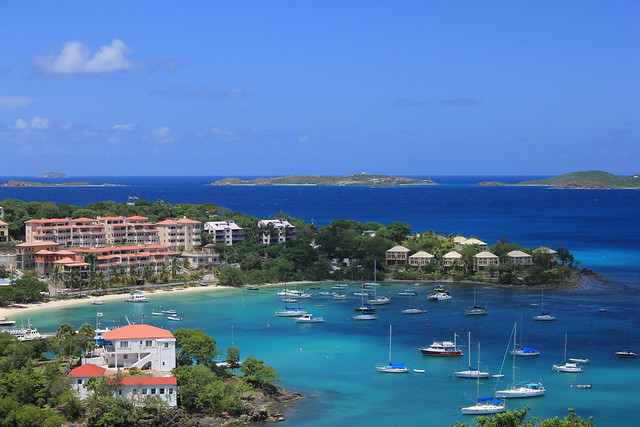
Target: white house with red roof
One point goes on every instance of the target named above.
(134, 389)
(144, 347)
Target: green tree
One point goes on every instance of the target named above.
(257, 373)
(194, 346)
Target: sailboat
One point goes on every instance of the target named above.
(571, 367)
(472, 372)
(392, 368)
(484, 405)
(412, 310)
(543, 316)
(519, 388)
(377, 300)
(291, 311)
(520, 350)
(476, 310)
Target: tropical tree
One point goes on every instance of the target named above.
(194, 346)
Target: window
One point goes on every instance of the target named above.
(134, 391)
(144, 391)
(148, 343)
(153, 391)
(124, 344)
(166, 345)
(119, 392)
(161, 391)
(170, 391)
(80, 381)
(125, 356)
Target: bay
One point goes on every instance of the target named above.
(332, 363)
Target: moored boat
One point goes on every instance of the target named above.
(570, 367)
(626, 354)
(443, 348)
(309, 318)
(439, 296)
(365, 316)
(392, 368)
(6, 322)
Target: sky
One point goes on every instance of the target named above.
(269, 88)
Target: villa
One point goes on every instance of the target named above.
(519, 258)
(276, 231)
(421, 258)
(227, 232)
(397, 255)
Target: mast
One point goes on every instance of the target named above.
(470, 351)
(389, 344)
(565, 348)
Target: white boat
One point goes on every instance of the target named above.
(290, 312)
(365, 316)
(379, 300)
(169, 311)
(476, 309)
(484, 405)
(519, 350)
(570, 367)
(392, 368)
(93, 302)
(443, 348)
(136, 296)
(309, 318)
(543, 316)
(472, 372)
(339, 297)
(519, 388)
(578, 360)
(361, 294)
(294, 294)
(174, 318)
(626, 354)
(327, 293)
(6, 322)
(420, 371)
(408, 293)
(411, 310)
(439, 296)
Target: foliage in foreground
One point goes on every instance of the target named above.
(516, 418)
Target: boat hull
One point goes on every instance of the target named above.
(519, 392)
(482, 409)
(450, 353)
(471, 374)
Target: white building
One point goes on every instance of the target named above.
(519, 258)
(140, 346)
(485, 259)
(281, 231)
(451, 259)
(227, 232)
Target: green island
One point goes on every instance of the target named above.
(17, 183)
(343, 180)
(580, 180)
(53, 175)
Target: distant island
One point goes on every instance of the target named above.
(580, 180)
(344, 180)
(16, 183)
(53, 175)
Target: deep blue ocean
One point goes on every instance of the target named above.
(332, 363)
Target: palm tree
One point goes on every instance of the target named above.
(56, 277)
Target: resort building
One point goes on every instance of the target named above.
(460, 244)
(421, 258)
(519, 258)
(4, 231)
(553, 255)
(129, 256)
(134, 389)
(226, 232)
(179, 235)
(451, 259)
(140, 346)
(397, 255)
(201, 259)
(484, 259)
(26, 253)
(276, 231)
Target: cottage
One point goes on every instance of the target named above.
(451, 259)
(484, 259)
(519, 258)
(421, 258)
(397, 255)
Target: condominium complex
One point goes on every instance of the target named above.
(276, 231)
(181, 234)
(227, 232)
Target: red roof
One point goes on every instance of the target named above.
(136, 332)
(149, 381)
(189, 221)
(87, 370)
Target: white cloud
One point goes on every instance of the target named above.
(40, 123)
(125, 127)
(162, 135)
(20, 124)
(75, 58)
(14, 101)
(223, 134)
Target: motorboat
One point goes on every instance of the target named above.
(392, 368)
(524, 351)
(93, 303)
(136, 296)
(626, 354)
(174, 318)
(252, 288)
(169, 311)
(439, 296)
(309, 318)
(578, 360)
(157, 313)
(290, 312)
(420, 371)
(6, 322)
(365, 316)
(339, 297)
(443, 348)
(408, 293)
(413, 311)
(327, 293)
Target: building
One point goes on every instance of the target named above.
(140, 346)
(4, 231)
(451, 259)
(276, 231)
(201, 259)
(226, 232)
(26, 253)
(519, 258)
(553, 255)
(397, 255)
(484, 259)
(134, 389)
(180, 235)
(421, 258)
(460, 243)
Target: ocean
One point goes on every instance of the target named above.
(333, 363)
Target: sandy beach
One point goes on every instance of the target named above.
(21, 309)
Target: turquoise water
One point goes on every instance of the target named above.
(333, 363)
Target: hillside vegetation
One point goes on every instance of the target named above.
(584, 179)
(354, 179)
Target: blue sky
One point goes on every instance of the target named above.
(319, 87)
